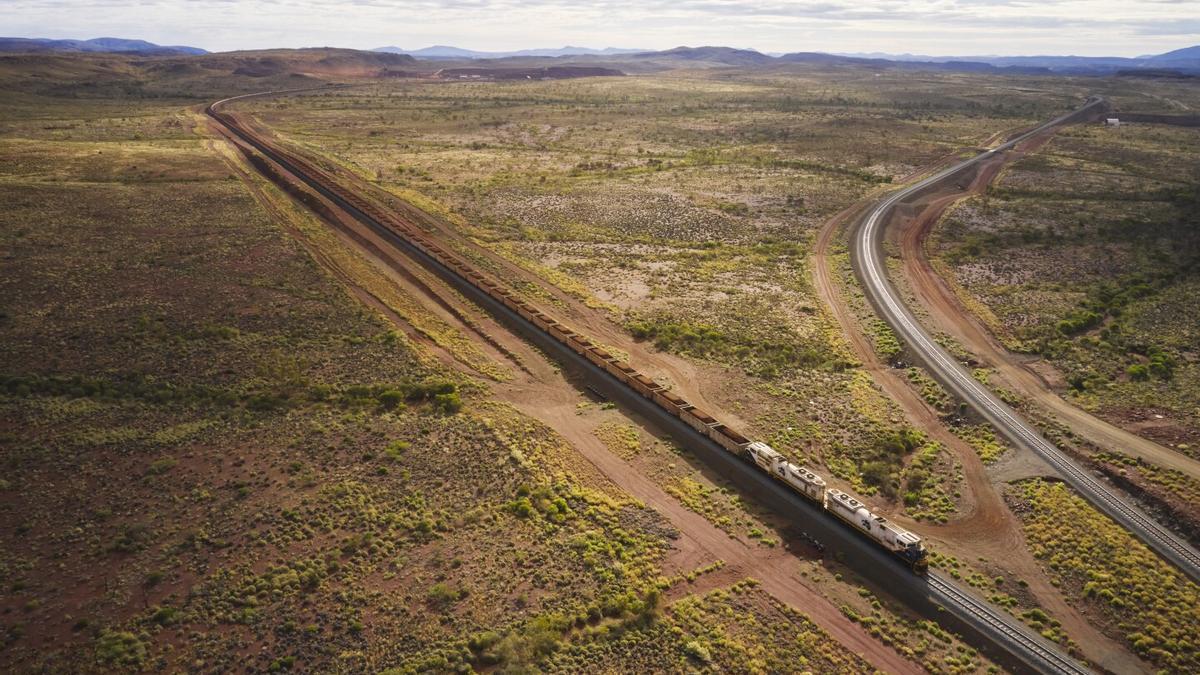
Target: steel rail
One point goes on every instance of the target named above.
(1050, 658)
(870, 265)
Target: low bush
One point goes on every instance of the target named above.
(120, 650)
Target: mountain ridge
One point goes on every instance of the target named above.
(1184, 61)
(451, 52)
(100, 44)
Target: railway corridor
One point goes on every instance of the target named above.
(871, 268)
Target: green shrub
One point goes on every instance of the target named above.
(441, 594)
(1079, 321)
(165, 616)
(879, 474)
(391, 399)
(163, 465)
(120, 649)
(448, 404)
(395, 450)
(697, 650)
(526, 646)
(1162, 364)
(522, 507)
(481, 641)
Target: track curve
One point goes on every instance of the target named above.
(870, 266)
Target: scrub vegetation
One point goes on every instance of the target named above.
(291, 463)
(277, 478)
(272, 472)
(684, 207)
(1140, 598)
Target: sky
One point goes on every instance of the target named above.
(931, 27)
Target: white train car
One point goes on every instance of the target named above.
(804, 481)
(765, 457)
(798, 478)
(896, 539)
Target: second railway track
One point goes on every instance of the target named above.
(870, 265)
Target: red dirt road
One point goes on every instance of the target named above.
(1020, 374)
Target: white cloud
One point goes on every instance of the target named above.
(1108, 27)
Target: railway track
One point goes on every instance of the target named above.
(1049, 657)
(990, 629)
(870, 265)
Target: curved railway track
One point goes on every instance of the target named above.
(870, 264)
(994, 631)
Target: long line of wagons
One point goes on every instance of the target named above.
(806, 483)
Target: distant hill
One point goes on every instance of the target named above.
(883, 63)
(1177, 55)
(728, 56)
(1063, 64)
(187, 76)
(325, 63)
(1185, 60)
(438, 52)
(315, 62)
(447, 52)
(104, 44)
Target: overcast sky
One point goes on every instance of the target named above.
(938, 27)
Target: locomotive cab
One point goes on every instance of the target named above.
(914, 553)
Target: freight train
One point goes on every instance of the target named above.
(847, 508)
